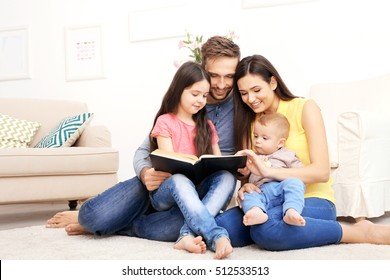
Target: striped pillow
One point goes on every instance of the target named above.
(16, 133)
(66, 133)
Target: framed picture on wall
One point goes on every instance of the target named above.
(84, 55)
(14, 54)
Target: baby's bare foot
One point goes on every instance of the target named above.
(62, 219)
(223, 248)
(255, 216)
(292, 217)
(191, 244)
(76, 229)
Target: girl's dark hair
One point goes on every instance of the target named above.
(243, 115)
(188, 74)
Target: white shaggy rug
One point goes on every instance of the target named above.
(40, 243)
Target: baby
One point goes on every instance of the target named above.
(270, 134)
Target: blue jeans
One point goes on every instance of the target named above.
(275, 235)
(288, 193)
(124, 209)
(199, 204)
(115, 209)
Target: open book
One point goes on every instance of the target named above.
(196, 169)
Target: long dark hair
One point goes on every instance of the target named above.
(243, 115)
(187, 75)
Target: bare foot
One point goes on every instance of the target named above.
(359, 219)
(366, 232)
(191, 244)
(255, 216)
(62, 219)
(76, 229)
(223, 248)
(292, 217)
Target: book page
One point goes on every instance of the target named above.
(220, 156)
(178, 156)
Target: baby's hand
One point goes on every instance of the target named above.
(265, 160)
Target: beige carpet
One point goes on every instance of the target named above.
(40, 243)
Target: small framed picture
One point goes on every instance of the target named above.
(84, 55)
(14, 54)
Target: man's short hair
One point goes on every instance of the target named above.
(219, 46)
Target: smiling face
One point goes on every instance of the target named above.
(258, 94)
(221, 71)
(193, 99)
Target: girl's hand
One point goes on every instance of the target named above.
(248, 188)
(244, 172)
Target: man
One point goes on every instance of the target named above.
(124, 208)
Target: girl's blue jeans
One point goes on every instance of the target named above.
(199, 204)
(124, 209)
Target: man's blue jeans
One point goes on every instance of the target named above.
(199, 204)
(115, 209)
(125, 209)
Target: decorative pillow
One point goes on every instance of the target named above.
(66, 132)
(16, 133)
(4, 143)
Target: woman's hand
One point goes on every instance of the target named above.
(152, 179)
(248, 188)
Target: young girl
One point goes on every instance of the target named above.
(181, 125)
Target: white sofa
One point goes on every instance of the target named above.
(55, 174)
(357, 123)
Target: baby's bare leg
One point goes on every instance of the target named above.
(292, 217)
(255, 216)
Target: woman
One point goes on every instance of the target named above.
(261, 90)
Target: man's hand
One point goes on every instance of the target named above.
(152, 179)
(248, 188)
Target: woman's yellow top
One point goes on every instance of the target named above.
(298, 143)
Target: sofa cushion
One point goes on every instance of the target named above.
(60, 161)
(66, 133)
(16, 133)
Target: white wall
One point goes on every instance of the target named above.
(312, 42)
